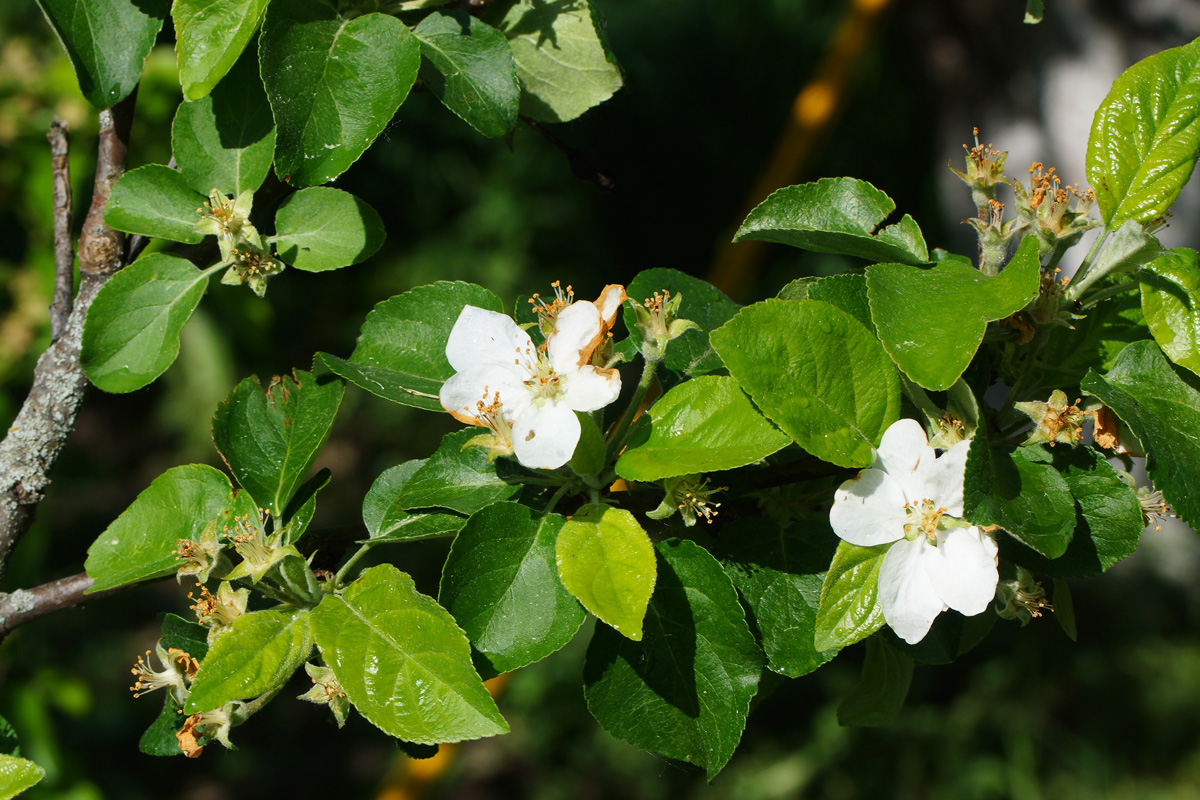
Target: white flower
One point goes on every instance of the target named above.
(535, 390)
(915, 499)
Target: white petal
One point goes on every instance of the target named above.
(962, 569)
(869, 510)
(589, 388)
(902, 453)
(480, 337)
(909, 601)
(544, 437)
(461, 393)
(609, 303)
(944, 479)
(576, 333)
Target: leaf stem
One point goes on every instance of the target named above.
(617, 443)
(359, 553)
(1104, 294)
(1080, 281)
(558, 495)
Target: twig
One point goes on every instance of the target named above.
(64, 250)
(25, 605)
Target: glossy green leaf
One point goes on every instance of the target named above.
(334, 83)
(159, 739)
(300, 510)
(779, 571)
(704, 304)
(401, 351)
(190, 637)
(704, 425)
(1164, 413)
(931, 321)
(454, 478)
(257, 654)
(880, 693)
(1146, 135)
(387, 521)
(107, 41)
(1092, 343)
(847, 292)
(140, 544)
(210, 35)
(815, 372)
(850, 610)
(403, 662)
(270, 438)
(17, 775)
(155, 200)
(563, 64)
(1171, 303)
(501, 584)
(470, 68)
(685, 690)
(320, 228)
(836, 215)
(226, 140)
(607, 562)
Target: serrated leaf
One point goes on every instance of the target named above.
(847, 292)
(387, 521)
(401, 351)
(454, 478)
(210, 35)
(320, 229)
(470, 68)
(836, 215)
(403, 662)
(333, 83)
(817, 373)
(607, 562)
(882, 688)
(155, 200)
(932, 321)
(704, 425)
(1170, 287)
(501, 584)
(685, 690)
(140, 544)
(17, 775)
(704, 304)
(1145, 136)
(850, 610)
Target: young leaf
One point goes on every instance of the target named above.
(140, 544)
(190, 637)
(1145, 136)
(501, 584)
(880, 693)
(17, 775)
(685, 690)
(155, 200)
(607, 562)
(226, 140)
(779, 571)
(850, 610)
(703, 425)
(320, 229)
(1170, 297)
(387, 521)
(107, 41)
(402, 660)
(210, 35)
(473, 72)
(704, 304)
(848, 292)
(836, 215)
(256, 655)
(333, 83)
(454, 478)
(931, 321)
(401, 352)
(816, 373)
(271, 438)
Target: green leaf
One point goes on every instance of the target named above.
(155, 200)
(501, 584)
(226, 140)
(210, 35)
(1145, 136)
(847, 292)
(704, 425)
(300, 510)
(1019, 489)
(685, 690)
(952, 635)
(256, 655)
(704, 304)
(607, 562)
(107, 41)
(562, 61)
(850, 610)
(320, 228)
(1164, 413)
(815, 372)
(1170, 296)
(140, 544)
(9, 744)
(401, 352)
(387, 521)
(931, 321)
(271, 438)
(880, 693)
(190, 637)
(779, 571)
(403, 662)
(472, 73)
(1093, 342)
(334, 84)
(454, 478)
(159, 739)
(836, 215)
(17, 775)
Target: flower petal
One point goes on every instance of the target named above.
(909, 601)
(464, 390)
(609, 303)
(590, 388)
(869, 510)
(577, 331)
(962, 569)
(482, 337)
(902, 447)
(943, 479)
(544, 437)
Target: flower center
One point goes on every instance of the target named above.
(543, 381)
(923, 518)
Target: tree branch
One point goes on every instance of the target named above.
(25, 605)
(64, 249)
